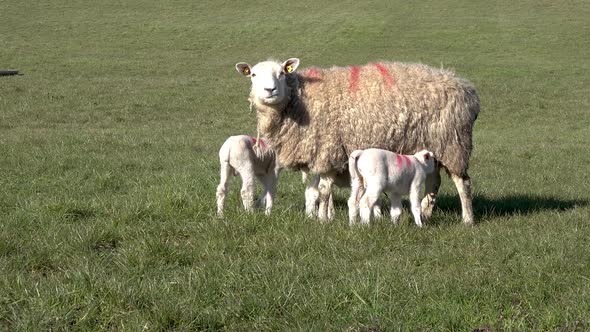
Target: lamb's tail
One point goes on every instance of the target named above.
(224, 154)
(356, 179)
(352, 165)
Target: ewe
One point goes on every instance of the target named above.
(313, 120)
(374, 171)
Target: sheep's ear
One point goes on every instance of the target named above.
(290, 65)
(244, 68)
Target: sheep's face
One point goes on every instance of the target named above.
(426, 158)
(269, 83)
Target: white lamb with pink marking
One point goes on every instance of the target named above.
(245, 156)
(373, 171)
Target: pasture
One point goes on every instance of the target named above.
(108, 170)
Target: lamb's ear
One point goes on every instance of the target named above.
(244, 68)
(290, 65)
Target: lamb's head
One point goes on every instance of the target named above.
(426, 158)
(269, 83)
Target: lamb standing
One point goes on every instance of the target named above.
(375, 171)
(313, 120)
(240, 155)
(312, 195)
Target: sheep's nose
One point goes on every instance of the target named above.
(270, 90)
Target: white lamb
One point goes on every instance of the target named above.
(312, 194)
(375, 171)
(240, 155)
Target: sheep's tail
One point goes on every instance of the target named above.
(356, 179)
(224, 154)
(352, 164)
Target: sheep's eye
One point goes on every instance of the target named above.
(253, 75)
(281, 73)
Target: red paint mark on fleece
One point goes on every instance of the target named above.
(408, 160)
(253, 139)
(387, 77)
(312, 73)
(354, 78)
(401, 159)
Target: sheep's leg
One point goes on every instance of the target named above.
(325, 188)
(367, 203)
(415, 205)
(331, 207)
(247, 191)
(463, 184)
(312, 195)
(223, 187)
(353, 201)
(396, 207)
(432, 185)
(270, 183)
(261, 201)
(377, 210)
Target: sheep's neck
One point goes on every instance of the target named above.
(269, 117)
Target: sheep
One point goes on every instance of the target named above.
(373, 171)
(315, 118)
(248, 157)
(312, 194)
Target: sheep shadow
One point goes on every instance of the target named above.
(487, 208)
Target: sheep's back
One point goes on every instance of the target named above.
(394, 106)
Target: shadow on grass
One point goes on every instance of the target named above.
(491, 207)
(510, 205)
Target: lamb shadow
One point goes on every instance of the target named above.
(486, 208)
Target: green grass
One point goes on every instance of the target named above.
(108, 167)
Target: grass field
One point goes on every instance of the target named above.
(108, 168)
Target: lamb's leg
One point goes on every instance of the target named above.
(415, 205)
(247, 191)
(331, 207)
(353, 201)
(368, 202)
(223, 187)
(312, 194)
(463, 184)
(377, 210)
(270, 183)
(432, 185)
(325, 188)
(396, 207)
(261, 201)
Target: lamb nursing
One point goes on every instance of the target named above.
(315, 118)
